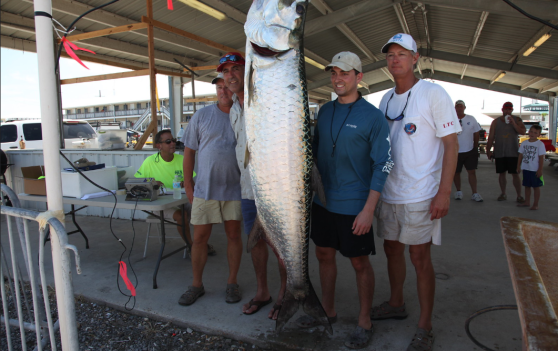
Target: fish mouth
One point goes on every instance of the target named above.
(265, 51)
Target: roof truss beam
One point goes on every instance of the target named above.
(480, 26)
(324, 8)
(499, 65)
(403, 21)
(548, 87)
(547, 10)
(110, 19)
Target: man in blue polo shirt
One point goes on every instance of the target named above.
(352, 146)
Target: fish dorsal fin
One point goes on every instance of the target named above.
(255, 235)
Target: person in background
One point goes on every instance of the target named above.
(163, 166)
(215, 196)
(468, 155)
(531, 160)
(504, 135)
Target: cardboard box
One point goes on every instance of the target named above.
(32, 185)
(74, 185)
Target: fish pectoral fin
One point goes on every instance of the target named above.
(255, 235)
(317, 184)
(313, 307)
(246, 157)
(289, 306)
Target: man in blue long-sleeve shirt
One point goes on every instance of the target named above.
(352, 146)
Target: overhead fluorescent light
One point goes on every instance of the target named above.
(205, 9)
(542, 40)
(500, 76)
(538, 43)
(529, 51)
(313, 63)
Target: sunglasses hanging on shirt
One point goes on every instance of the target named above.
(402, 115)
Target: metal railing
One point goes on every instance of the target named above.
(15, 291)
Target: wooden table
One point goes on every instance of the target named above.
(164, 202)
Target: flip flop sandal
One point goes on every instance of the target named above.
(422, 341)
(276, 308)
(387, 311)
(258, 304)
(307, 321)
(359, 338)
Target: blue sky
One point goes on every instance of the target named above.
(20, 88)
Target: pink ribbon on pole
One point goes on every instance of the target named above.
(124, 275)
(70, 47)
(169, 5)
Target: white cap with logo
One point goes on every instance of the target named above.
(345, 60)
(405, 40)
(219, 76)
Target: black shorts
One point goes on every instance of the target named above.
(469, 159)
(335, 231)
(506, 164)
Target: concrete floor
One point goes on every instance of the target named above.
(471, 257)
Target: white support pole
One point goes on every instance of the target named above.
(178, 102)
(552, 119)
(51, 146)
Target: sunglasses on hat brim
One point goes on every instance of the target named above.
(231, 58)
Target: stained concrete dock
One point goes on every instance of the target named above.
(471, 265)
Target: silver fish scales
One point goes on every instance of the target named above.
(278, 137)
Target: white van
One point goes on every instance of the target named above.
(77, 134)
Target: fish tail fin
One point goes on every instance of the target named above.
(289, 306)
(313, 307)
(255, 235)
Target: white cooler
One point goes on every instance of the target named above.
(74, 185)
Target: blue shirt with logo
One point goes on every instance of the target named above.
(362, 158)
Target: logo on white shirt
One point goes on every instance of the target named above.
(445, 125)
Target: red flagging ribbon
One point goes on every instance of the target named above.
(169, 5)
(124, 275)
(70, 47)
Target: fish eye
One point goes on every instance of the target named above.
(300, 9)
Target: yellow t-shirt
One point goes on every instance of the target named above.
(155, 167)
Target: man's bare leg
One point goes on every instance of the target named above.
(420, 256)
(259, 260)
(517, 184)
(328, 276)
(397, 270)
(274, 313)
(502, 181)
(177, 216)
(457, 181)
(199, 252)
(234, 249)
(473, 180)
(365, 287)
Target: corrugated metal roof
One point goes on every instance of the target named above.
(451, 28)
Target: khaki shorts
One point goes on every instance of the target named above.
(169, 212)
(213, 211)
(408, 223)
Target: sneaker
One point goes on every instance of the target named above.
(233, 294)
(422, 341)
(477, 197)
(458, 195)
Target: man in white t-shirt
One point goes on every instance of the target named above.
(423, 132)
(468, 151)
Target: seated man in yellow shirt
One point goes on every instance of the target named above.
(163, 166)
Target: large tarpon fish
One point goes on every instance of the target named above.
(279, 155)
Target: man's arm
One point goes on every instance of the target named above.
(519, 160)
(518, 125)
(188, 169)
(440, 203)
(490, 140)
(363, 221)
(476, 137)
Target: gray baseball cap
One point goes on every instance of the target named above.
(345, 60)
(219, 76)
(460, 102)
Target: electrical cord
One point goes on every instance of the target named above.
(520, 10)
(112, 232)
(478, 313)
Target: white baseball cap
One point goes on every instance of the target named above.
(345, 60)
(219, 76)
(405, 40)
